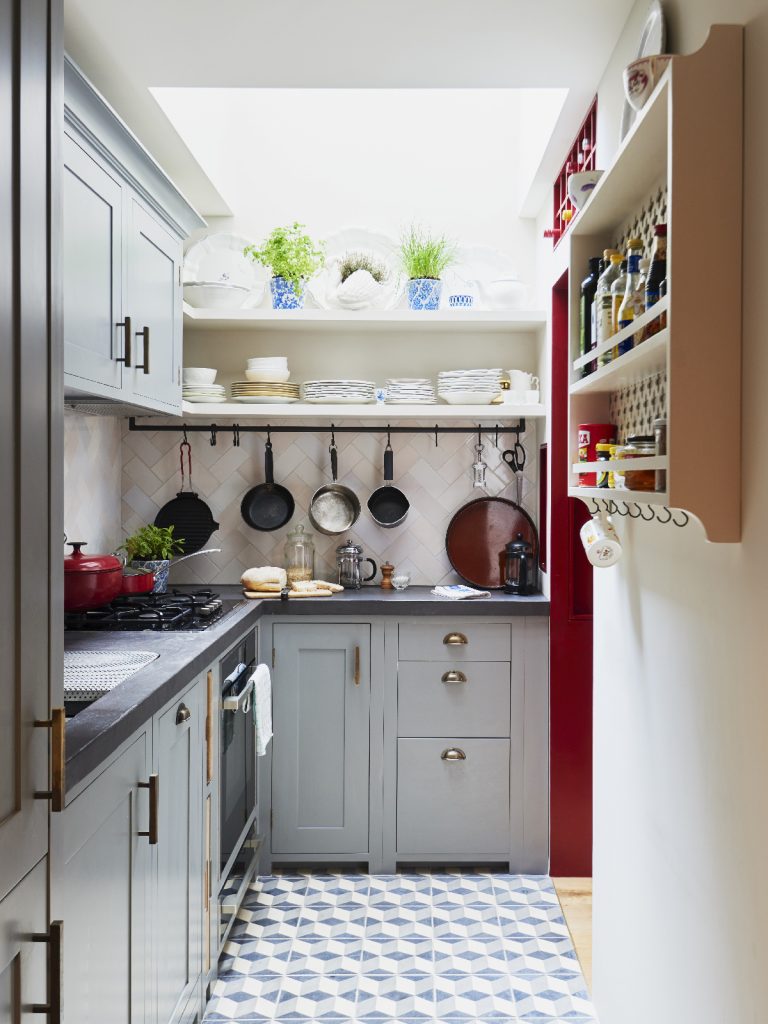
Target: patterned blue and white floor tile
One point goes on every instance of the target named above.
(450, 947)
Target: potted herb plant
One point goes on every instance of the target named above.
(292, 257)
(151, 548)
(425, 257)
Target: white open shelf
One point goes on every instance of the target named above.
(619, 494)
(621, 465)
(649, 357)
(438, 413)
(266, 319)
(625, 334)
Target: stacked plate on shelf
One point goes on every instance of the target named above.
(469, 387)
(340, 392)
(264, 392)
(204, 393)
(410, 391)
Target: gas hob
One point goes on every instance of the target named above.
(171, 612)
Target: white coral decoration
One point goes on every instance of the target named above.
(359, 291)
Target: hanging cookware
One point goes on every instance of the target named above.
(334, 508)
(90, 581)
(190, 517)
(349, 561)
(388, 505)
(267, 506)
(478, 535)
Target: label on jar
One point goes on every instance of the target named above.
(583, 446)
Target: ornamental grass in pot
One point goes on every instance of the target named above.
(293, 258)
(151, 549)
(425, 257)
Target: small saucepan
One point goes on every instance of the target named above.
(267, 506)
(388, 505)
(334, 508)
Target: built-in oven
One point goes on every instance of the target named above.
(238, 833)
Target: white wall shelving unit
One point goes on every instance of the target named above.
(425, 414)
(699, 98)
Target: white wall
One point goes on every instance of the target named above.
(681, 695)
(92, 480)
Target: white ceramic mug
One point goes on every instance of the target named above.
(521, 380)
(600, 540)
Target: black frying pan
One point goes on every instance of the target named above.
(267, 506)
(189, 515)
(388, 505)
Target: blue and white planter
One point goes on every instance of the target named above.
(285, 295)
(424, 292)
(160, 568)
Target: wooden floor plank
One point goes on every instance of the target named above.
(575, 895)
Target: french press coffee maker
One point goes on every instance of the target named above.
(519, 568)
(349, 560)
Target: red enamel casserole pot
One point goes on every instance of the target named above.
(90, 581)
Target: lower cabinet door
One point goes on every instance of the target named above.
(453, 796)
(177, 902)
(23, 981)
(105, 890)
(321, 705)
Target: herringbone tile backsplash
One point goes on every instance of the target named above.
(437, 481)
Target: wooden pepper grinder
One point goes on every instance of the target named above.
(386, 576)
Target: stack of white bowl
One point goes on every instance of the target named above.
(469, 387)
(198, 385)
(266, 381)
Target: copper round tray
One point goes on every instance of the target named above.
(478, 535)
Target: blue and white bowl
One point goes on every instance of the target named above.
(424, 293)
(461, 301)
(284, 295)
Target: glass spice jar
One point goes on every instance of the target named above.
(660, 436)
(603, 452)
(299, 556)
(639, 446)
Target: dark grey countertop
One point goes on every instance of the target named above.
(98, 730)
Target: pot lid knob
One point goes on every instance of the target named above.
(76, 545)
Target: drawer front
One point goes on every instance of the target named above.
(449, 807)
(440, 700)
(454, 640)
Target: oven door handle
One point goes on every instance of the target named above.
(242, 702)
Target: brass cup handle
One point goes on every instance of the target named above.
(183, 714)
(454, 676)
(453, 754)
(455, 639)
(154, 796)
(55, 941)
(144, 333)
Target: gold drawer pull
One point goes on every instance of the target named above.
(57, 724)
(357, 666)
(454, 639)
(453, 754)
(454, 676)
(152, 786)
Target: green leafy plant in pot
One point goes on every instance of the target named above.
(424, 257)
(151, 549)
(292, 257)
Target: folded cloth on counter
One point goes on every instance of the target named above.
(251, 578)
(262, 708)
(458, 592)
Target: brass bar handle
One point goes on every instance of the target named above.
(57, 724)
(126, 356)
(144, 333)
(153, 786)
(454, 676)
(55, 940)
(455, 639)
(183, 714)
(357, 666)
(453, 754)
(209, 731)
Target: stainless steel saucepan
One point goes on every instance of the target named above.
(334, 508)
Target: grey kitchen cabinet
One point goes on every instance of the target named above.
(94, 341)
(178, 741)
(105, 890)
(123, 226)
(320, 758)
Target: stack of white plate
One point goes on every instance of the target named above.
(469, 387)
(268, 369)
(410, 391)
(204, 393)
(339, 392)
(264, 393)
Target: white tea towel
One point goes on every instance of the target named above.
(262, 708)
(458, 592)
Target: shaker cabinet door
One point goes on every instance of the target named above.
(92, 268)
(153, 299)
(320, 771)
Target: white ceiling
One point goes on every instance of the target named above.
(127, 48)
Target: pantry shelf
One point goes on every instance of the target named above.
(304, 320)
(619, 494)
(243, 412)
(621, 465)
(648, 358)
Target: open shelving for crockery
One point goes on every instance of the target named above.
(681, 161)
(365, 345)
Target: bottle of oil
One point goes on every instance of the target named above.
(588, 289)
(657, 273)
(633, 301)
(603, 307)
(617, 294)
